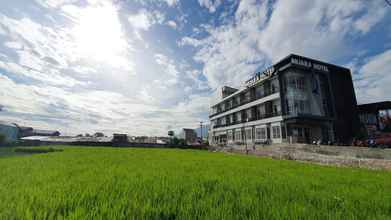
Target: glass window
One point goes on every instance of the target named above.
(249, 113)
(239, 116)
(276, 132)
(248, 134)
(260, 133)
(229, 135)
(238, 135)
(275, 85)
(259, 91)
(247, 96)
(300, 83)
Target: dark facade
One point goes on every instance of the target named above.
(339, 100)
(297, 100)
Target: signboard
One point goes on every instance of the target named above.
(260, 76)
(308, 64)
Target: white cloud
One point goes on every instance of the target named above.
(262, 33)
(171, 2)
(140, 20)
(374, 79)
(172, 24)
(211, 5)
(54, 3)
(144, 19)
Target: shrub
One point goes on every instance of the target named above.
(36, 150)
(2, 138)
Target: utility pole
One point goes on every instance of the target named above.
(201, 130)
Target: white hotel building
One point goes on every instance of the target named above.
(295, 100)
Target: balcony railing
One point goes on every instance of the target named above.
(243, 102)
(258, 117)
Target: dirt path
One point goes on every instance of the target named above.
(326, 155)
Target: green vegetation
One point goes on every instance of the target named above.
(128, 183)
(36, 150)
(2, 138)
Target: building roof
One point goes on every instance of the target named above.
(373, 107)
(45, 132)
(8, 124)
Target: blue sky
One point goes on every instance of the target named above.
(147, 66)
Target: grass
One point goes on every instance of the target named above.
(129, 183)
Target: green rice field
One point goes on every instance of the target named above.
(142, 183)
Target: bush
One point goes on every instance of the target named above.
(2, 139)
(36, 150)
(176, 142)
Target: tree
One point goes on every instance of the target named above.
(99, 134)
(170, 133)
(177, 142)
(2, 139)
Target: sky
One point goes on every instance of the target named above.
(144, 67)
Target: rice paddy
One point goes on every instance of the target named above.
(141, 183)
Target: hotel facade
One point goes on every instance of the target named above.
(297, 100)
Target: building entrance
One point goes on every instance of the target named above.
(305, 133)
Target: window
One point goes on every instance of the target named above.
(276, 132)
(239, 116)
(261, 111)
(260, 133)
(275, 86)
(249, 114)
(229, 104)
(229, 135)
(300, 83)
(248, 134)
(222, 121)
(283, 131)
(238, 135)
(296, 82)
(247, 96)
(259, 91)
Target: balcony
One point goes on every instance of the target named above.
(243, 102)
(255, 118)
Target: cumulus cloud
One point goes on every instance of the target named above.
(211, 5)
(262, 33)
(172, 24)
(373, 80)
(145, 19)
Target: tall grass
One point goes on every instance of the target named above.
(109, 183)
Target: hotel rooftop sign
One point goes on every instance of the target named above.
(260, 76)
(298, 61)
(308, 64)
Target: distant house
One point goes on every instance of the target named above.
(38, 132)
(189, 135)
(9, 131)
(25, 131)
(376, 117)
(120, 138)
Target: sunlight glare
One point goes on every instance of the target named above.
(99, 35)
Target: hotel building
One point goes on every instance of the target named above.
(297, 100)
